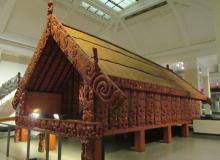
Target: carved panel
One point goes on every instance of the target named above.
(173, 108)
(133, 109)
(68, 128)
(164, 112)
(169, 109)
(149, 114)
(87, 102)
(101, 114)
(123, 112)
(141, 108)
(113, 118)
(157, 106)
(178, 109)
(184, 103)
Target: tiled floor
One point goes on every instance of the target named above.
(197, 147)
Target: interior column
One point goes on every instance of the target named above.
(206, 88)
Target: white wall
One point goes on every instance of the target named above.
(10, 69)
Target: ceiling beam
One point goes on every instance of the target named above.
(138, 6)
(15, 57)
(195, 3)
(206, 48)
(16, 43)
(180, 23)
(6, 13)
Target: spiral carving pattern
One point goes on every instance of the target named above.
(103, 87)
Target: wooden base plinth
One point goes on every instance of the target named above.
(52, 142)
(139, 141)
(98, 150)
(167, 134)
(23, 135)
(185, 130)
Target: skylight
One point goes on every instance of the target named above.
(118, 5)
(94, 10)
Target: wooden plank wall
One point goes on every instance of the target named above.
(70, 97)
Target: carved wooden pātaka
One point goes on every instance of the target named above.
(99, 88)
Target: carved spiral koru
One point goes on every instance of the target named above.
(103, 88)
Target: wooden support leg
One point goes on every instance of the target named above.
(185, 130)
(98, 149)
(167, 134)
(139, 141)
(52, 140)
(23, 135)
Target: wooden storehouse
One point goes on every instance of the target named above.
(100, 89)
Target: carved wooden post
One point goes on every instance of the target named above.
(167, 134)
(88, 104)
(50, 7)
(185, 130)
(139, 142)
(41, 145)
(87, 150)
(91, 149)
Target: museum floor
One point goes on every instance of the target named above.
(197, 147)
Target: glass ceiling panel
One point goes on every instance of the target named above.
(110, 4)
(117, 8)
(92, 9)
(118, 5)
(95, 11)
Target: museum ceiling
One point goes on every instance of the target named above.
(152, 28)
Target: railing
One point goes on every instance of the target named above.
(68, 128)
